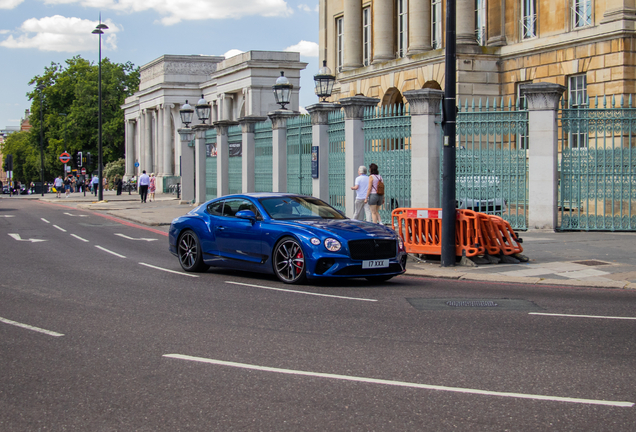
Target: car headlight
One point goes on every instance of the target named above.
(400, 243)
(332, 245)
(315, 241)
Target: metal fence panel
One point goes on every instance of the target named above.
(299, 140)
(235, 165)
(210, 165)
(387, 143)
(263, 181)
(337, 187)
(597, 188)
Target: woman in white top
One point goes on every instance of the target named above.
(373, 198)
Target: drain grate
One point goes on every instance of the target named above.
(472, 303)
(592, 263)
(459, 304)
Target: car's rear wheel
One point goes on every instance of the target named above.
(190, 253)
(377, 279)
(289, 261)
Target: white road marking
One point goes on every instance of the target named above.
(401, 383)
(79, 238)
(300, 292)
(169, 271)
(61, 229)
(109, 251)
(70, 214)
(7, 216)
(582, 316)
(131, 238)
(45, 220)
(18, 238)
(28, 327)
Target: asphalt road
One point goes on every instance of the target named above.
(118, 345)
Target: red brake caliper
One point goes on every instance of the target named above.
(299, 255)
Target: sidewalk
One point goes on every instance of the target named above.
(590, 259)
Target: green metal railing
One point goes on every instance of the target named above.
(337, 187)
(387, 143)
(263, 181)
(597, 188)
(491, 161)
(235, 165)
(299, 140)
(210, 164)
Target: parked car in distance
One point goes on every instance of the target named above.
(294, 237)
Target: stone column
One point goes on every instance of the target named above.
(354, 138)
(222, 158)
(419, 26)
(320, 137)
(495, 22)
(200, 181)
(248, 152)
(466, 22)
(226, 107)
(543, 101)
(147, 155)
(383, 32)
(352, 34)
(187, 173)
(167, 140)
(159, 141)
(426, 142)
(279, 148)
(130, 149)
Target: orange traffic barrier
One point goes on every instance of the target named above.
(468, 234)
(504, 237)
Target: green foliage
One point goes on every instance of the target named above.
(26, 158)
(71, 89)
(115, 168)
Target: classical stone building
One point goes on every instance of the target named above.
(240, 86)
(381, 48)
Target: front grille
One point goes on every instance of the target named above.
(358, 270)
(372, 249)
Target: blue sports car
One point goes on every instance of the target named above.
(292, 236)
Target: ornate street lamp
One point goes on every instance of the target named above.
(203, 109)
(324, 81)
(282, 90)
(186, 113)
(98, 31)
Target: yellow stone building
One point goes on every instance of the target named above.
(381, 48)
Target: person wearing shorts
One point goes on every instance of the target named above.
(373, 198)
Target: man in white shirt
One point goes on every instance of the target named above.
(144, 182)
(361, 186)
(95, 184)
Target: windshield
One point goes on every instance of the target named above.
(297, 207)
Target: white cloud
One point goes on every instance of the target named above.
(9, 4)
(4, 32)
(305, 48)
(175, 11)
(61, 34)
(307, 8)
(232, 53)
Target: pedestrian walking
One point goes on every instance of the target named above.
(152, 186)
(105, 183)
(118, 184)
(59, 184)
(375, 192)
(67, 186)
(144, 182)
(95, 184)
(361, 187)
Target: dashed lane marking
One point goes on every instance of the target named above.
(582, 316)
(132, 238)
(79, 238)
(109, 251)
(28, 327)
(61, 229)
(44, 220)
(167, 270)
(300, 292)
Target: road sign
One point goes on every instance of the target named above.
(136, 164)
(65, 157)
(83, 170)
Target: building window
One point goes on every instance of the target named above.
(339, 43)
(528, 19)
(366, 36)
(403, 28)
(436, 23)
(522, 104)
(480, 21)
(581, 13)
(577, 93)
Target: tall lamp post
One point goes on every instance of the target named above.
(324, 82)
(99, 30)
(40, 88)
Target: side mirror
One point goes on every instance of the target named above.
(246, 214)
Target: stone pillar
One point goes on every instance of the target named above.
(466, 22)
(320, 137)
(543, 101)
(279, 148)
(419, 26)
(354, 138)
(383, 32)
(187, 173)
(147, 155)
(426, 143)
(495, 22)
(222, 158)
(130, 149)
(352, 34)
(248, 152)
(226, 107)
(167, 140)
(200, 181)
(159, 141)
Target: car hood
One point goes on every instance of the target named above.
(348, 228)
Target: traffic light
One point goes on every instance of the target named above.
(89, 159)
(78, 159)
(9, 162)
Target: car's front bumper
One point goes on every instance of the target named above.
(345, 267)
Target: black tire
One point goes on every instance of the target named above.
(378, 279)
(190, 253)
(288, 260)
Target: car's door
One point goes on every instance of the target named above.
(239, 239)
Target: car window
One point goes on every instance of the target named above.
(233, 206)
(296, 207)
(216, 208)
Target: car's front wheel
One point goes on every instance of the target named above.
(190, 253)
(289, 261)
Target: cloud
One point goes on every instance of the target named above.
(4, 32)
(307, 8)
(175, 11)
(305, 48)
(9, 4)
(232, 53)
(61, 34)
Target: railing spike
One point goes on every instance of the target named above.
(613, 101)
(622, 101)
(604, 101)
(630, 100)
(596, 101)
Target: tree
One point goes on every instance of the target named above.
(26, 158)
(71, 89)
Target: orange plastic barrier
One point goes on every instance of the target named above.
(475, 233)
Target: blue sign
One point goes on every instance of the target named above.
(136, 164)
(314, 162)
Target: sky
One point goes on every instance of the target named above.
(36, 33)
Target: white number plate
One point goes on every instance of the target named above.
(375, 264)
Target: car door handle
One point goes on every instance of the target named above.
(220, 228)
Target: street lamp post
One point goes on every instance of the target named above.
(282, 90)
(324, 82)
(98, 30)
(40, 88)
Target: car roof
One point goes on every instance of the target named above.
(259, 195)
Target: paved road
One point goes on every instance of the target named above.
(117, 342)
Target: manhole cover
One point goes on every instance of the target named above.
(472, 303)
(592, 263)
(455, 304)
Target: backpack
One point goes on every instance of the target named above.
(380, 188)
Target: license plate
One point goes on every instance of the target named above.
(375, 264)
